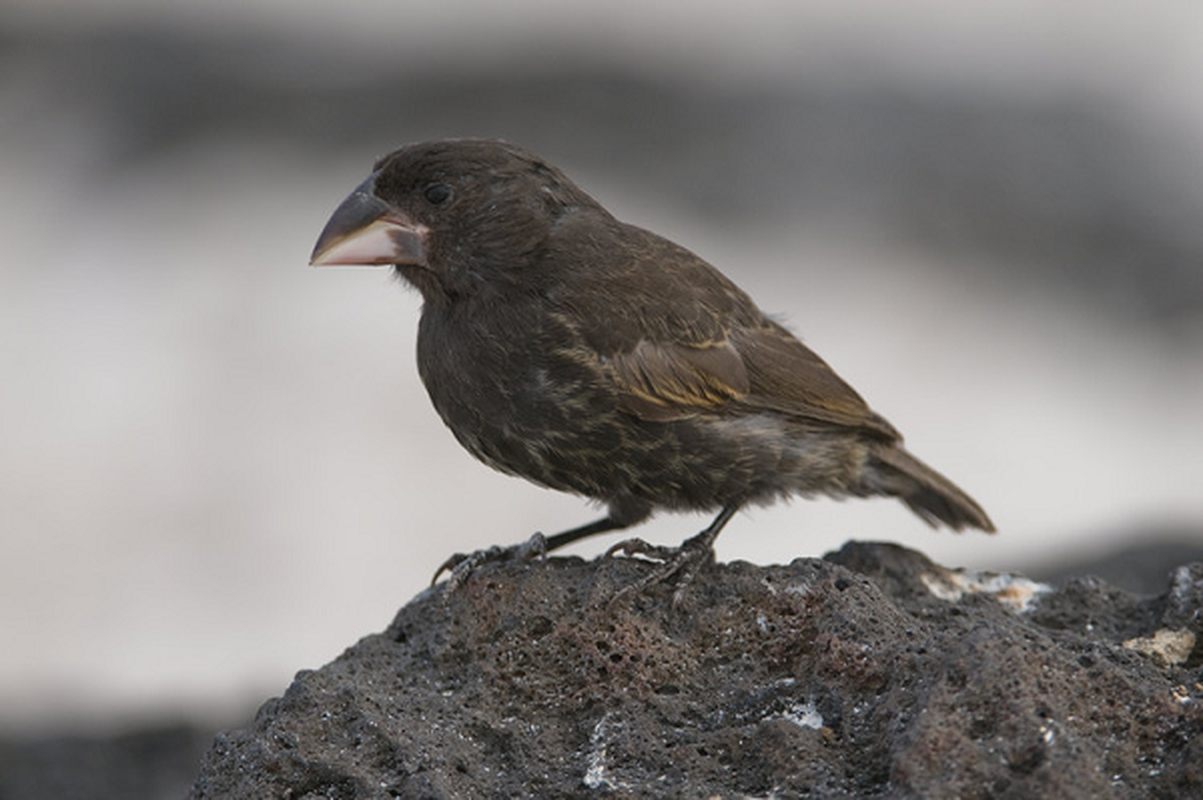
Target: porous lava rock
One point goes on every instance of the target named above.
(871, 672)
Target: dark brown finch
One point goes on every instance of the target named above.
(592, 356)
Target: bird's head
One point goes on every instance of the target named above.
(455, 217)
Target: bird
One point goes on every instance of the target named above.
(589, 355)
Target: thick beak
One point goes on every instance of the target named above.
(366, 230)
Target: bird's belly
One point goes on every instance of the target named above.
(547, 415)
(578, 440)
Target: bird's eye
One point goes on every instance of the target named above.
(437, 193)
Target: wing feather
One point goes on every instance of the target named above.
(753, 369)
(667, 381)
(787, 376)
(677, 338)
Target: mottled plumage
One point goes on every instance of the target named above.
(592, 356)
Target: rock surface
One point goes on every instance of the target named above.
(872, 672)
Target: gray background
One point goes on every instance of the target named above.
(217, 465)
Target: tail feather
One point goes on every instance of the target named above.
(894, 471)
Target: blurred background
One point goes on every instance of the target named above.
(218, 465)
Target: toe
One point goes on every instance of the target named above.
(638, 547)
(461, 565)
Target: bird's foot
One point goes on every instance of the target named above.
(461, 565)
(638, 547)
(677, 564)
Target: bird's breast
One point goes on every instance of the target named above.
(519, 392)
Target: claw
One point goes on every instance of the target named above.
(449, 565)
(462, 565)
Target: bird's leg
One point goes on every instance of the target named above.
(606, 523)
(461, 565)
(682, 562)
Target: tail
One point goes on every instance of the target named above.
(893, 471)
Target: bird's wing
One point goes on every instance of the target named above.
(677, 338)
(751, 369)
(787, 376)
(662, 381)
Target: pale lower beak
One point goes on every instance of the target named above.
(366, 230)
